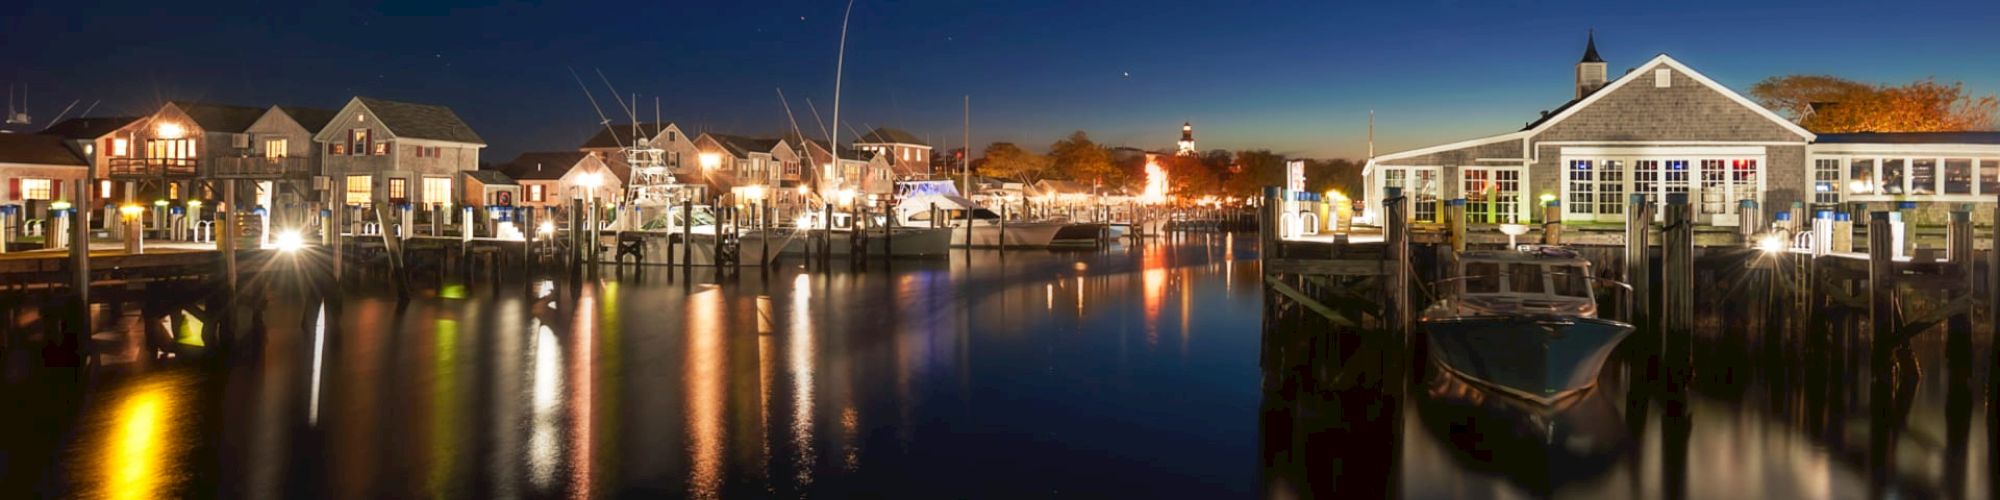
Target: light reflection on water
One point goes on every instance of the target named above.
(941, 379)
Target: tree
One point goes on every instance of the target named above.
(1254, 170)
(1077, 158)
(1187, 177)
(1008, 161)
(1826, 104)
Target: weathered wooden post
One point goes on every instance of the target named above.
(1396, 236)
(687, 235)
(576, 234)
(1003, 229)
(826, 235)
(1747, 221)
(1552, 227)
(1454, 217)
(1881, 291)
(1677, 304)
(1267, 223)
(968, 233)
(1638, 258)
(226, 217)
(1958, 327)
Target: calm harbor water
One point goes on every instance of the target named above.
(1136, 372)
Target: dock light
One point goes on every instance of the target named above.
(194, 205)
(710, 160)
(844, 195)
(754, 192)
(162, 202)
(548, 227)
(1546, 198)
(131, 211)
(289, 241)
(1332, 195)
(591, 180)
(59, 205)
(1771, 243)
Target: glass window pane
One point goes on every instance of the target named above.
(1892, 175)
(1989, 176)
(1923, 176)
(1826, 180)
(1861, 175)
(1958, 176)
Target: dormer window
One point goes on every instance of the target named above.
(358, 141)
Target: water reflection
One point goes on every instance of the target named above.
(141, 456)
(799, 358)
(706, 363)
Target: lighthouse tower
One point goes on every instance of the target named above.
(1187, 139)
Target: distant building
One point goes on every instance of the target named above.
(678, 150)
(553, 178)
(397, 152)
(1664, 128)
(37, 169)
(907, 154)
(489, 188)
(1187, 140)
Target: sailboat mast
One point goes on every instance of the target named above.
(839, 63)
(965, 164)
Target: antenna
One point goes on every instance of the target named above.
(601, 119)
(65, 112)
(93, 105)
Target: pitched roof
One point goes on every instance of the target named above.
(88, 128)
(421, 121)
(618, 135)
(846, 153)
(37, 149)
(740, 146)
(886, 135)
(1981, 137)
(542, 165)
(220, 117)
(312, 119)
(491, 177)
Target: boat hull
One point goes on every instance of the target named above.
(1025, 234)
(1542, 359)
(909, 242)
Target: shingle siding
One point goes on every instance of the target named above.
(1685, 111)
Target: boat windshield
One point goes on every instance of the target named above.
(1525, 277)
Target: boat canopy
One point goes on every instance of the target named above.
(1527, 254)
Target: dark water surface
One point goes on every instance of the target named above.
(1151, 372)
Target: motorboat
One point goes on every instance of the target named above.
(937, 204)
(876, 239)
(1523, 322)
(659, 231)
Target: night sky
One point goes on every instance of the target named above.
(1295, 77)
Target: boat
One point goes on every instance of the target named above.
(920, 201)
(878, 240)
(1523, 322)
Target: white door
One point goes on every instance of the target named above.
(1595, 190)
(1420, 186)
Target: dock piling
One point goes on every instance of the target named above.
(1958, 326)
(1454, 216)
(1552, 223)
(1881, 292)
(1677, 304)
(1396, 234)
(1638, 258)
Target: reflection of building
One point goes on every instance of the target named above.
(1664, 128)
(1187, 140)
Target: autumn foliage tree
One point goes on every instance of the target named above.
(1078, 158)
(1827, 104)
(1008, 161)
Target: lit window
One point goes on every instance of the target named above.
(36, 189)
(357, 141)
(1861, 172)
(174, 191)
(120, 148)
(437, 190)
(399, 190)
(276, 148)
(381, 148)
(104, 189)
(1923, 176)
(359, 190)
(338, 148)
(535, 193)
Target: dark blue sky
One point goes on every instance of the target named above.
(1294, 77)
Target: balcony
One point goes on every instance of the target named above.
(258, 167)
(148, 168)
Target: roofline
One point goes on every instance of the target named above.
(1676, 64)
(1448, 147)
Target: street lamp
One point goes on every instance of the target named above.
(134, 243)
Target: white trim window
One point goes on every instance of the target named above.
(1419, 184)
(360, 190)
(1866, 177)
(1826, 186)
(437, 191)
(1715, 179)
(1492, 194)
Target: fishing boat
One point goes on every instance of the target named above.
(938, 204)
(1523, 322)
(876, 239)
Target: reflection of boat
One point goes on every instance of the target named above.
(922, 200)
(663, 229)
(1523, 322)
(1538, 447)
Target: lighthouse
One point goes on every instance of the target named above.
(1187, 139)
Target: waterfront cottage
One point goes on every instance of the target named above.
(864, 174)
(168, 154)
(280, 163)
(489, 188)
(552, 178)
(396, 152)
(677, 149)
(88, 138)
(749, 168)
(1665, 128)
